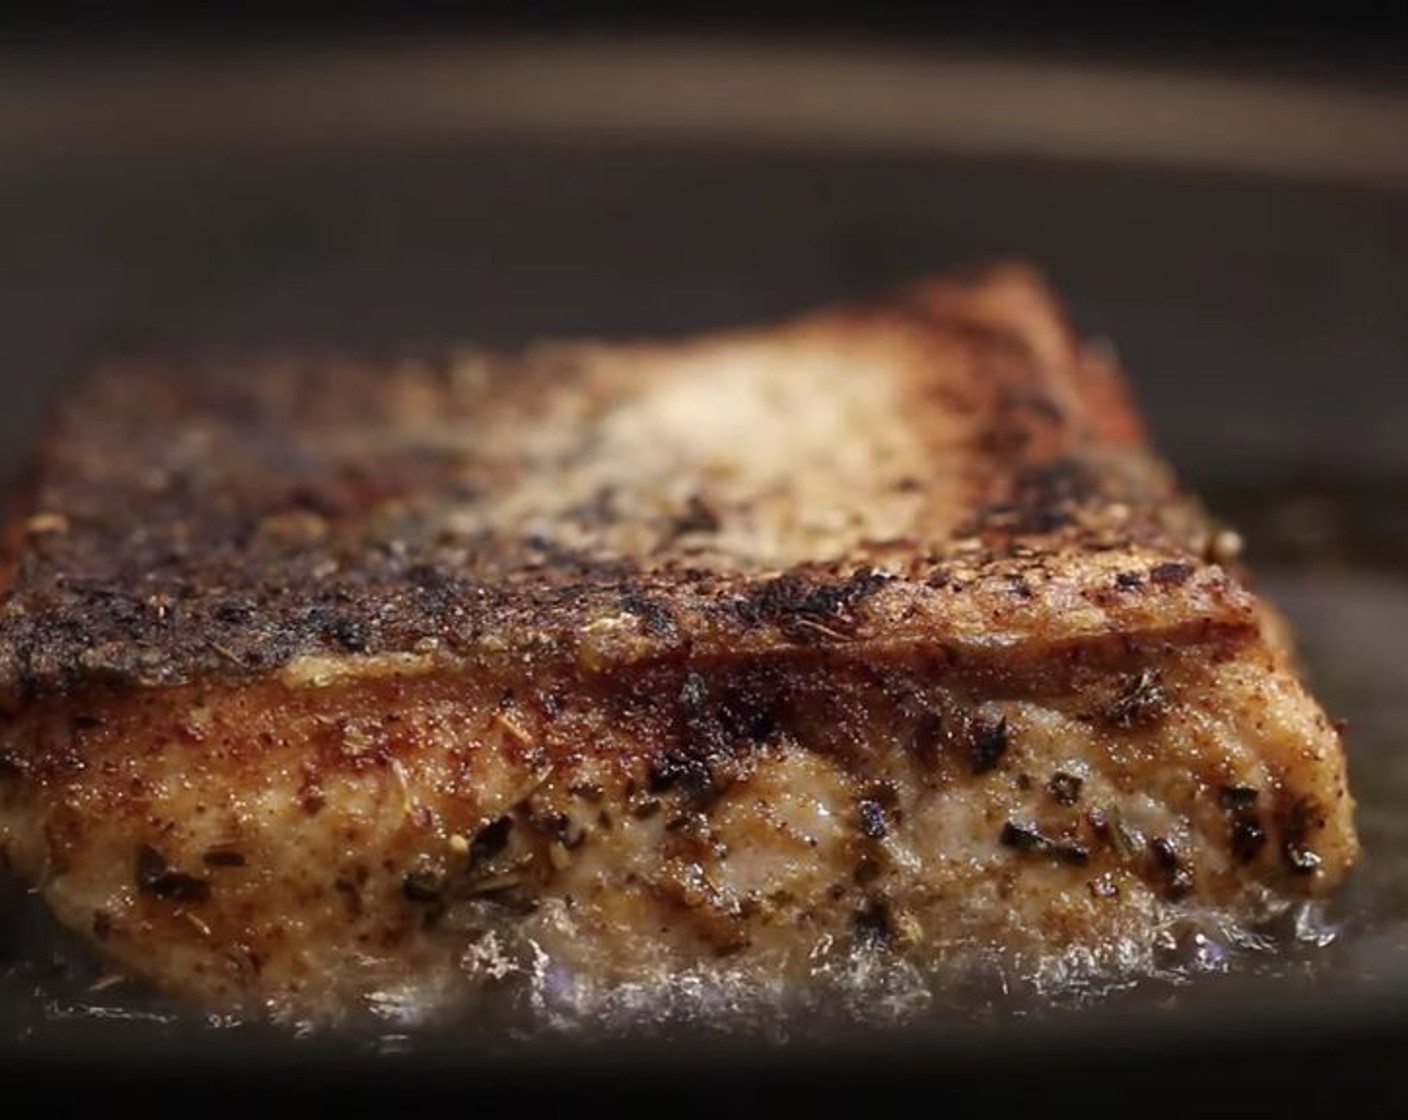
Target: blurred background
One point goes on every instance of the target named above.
(1351, 36)
(1222, 196)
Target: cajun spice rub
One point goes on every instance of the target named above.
(600, 666)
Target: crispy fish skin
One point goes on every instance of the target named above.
(327, 686)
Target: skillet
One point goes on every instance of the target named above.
(1244, 243)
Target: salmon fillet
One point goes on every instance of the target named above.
(626, 672)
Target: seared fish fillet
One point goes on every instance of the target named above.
(643, 668)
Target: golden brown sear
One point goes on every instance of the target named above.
(631, 671)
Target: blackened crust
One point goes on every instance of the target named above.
(227, 521)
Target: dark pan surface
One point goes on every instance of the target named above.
(1255, 293)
